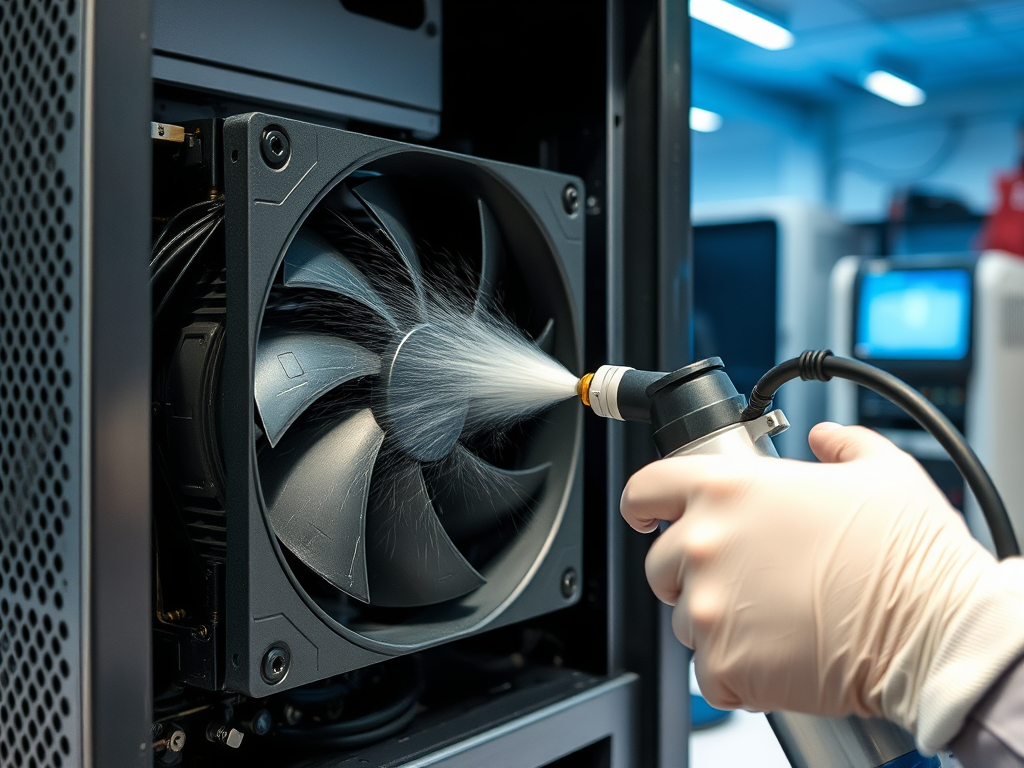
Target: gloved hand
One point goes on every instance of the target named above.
(847, 587)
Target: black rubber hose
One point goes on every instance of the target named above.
(362, 730)
(329, 736)
(822, 365)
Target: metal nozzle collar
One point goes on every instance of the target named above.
(583, 388)
(603, 391)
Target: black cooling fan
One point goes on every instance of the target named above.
(371, 496)
(348, 527)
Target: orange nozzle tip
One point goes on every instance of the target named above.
(583, 388)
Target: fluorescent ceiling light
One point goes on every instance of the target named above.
(704, 121)
(895, 89)
(744, 24)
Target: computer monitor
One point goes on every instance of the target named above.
(953, 328)
(914, 314)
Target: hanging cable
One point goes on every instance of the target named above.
(187, 268)
(174, 244)
(822, 365)
(177, 249)
(204, 206)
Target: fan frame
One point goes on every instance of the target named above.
(265, 605)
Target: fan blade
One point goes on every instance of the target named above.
(383, 206)
(316, 491)
(311, 262)
(546, 338)
(410, 559)
(491, 255)
(472, 496)
(294, 368)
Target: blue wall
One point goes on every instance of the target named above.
(956, 141)
(767, 146)
(855, 154)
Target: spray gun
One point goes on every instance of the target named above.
(697, 410)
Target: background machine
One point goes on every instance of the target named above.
(223, 231)
(953, 328)
(761, 270)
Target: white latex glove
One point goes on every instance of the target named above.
(847, 587)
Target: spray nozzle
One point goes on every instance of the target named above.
(682, 406)
(618, 392)
(583, 388)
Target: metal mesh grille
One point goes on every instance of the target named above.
(40, 390)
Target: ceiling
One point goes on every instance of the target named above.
(936, 43)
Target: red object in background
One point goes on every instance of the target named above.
(1004, 229)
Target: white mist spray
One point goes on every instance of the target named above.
(461, 370)
(470, 372)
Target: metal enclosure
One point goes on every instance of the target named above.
(385, 70)
(599, 91)
(265, 206)
(41, 295)
(74, 380)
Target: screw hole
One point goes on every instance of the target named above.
(569, 583)
(234, 155)
(276, 661)
(571, 199)
(275, 147)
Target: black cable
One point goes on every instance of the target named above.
(186, 269)
(955, 130)
(399, 709)
(161, 254)
(334, 736)
(822, 365)
(203, 204)
(359, 731)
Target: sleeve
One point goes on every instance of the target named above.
(993, 736)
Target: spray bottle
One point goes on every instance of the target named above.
(697, 410)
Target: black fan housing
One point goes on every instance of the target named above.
(504, 235)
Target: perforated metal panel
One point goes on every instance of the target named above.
(40, 386)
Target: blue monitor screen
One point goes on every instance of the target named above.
(919, 314)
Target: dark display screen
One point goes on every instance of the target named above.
(734, 292)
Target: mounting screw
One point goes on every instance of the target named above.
(275, 664)
(224, 734)
(770, 421)
(571, 199)
(275, 147)
(176, 742)
(570, 582)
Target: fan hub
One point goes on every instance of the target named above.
(422, 407)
